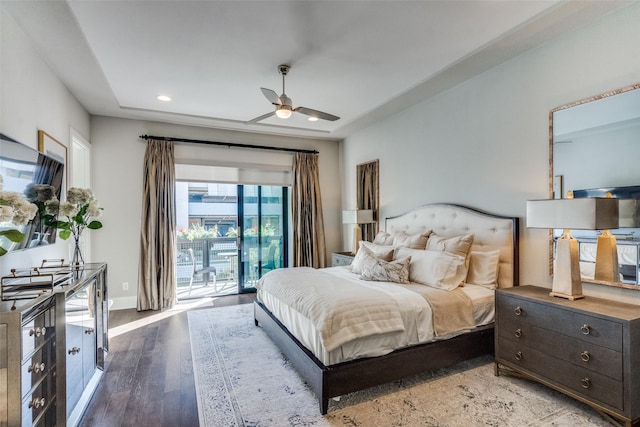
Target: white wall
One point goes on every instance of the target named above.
(484, 143)
(118, 157)
(32, 98)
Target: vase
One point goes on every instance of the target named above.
(76, 258)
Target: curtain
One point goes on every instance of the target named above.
(368, 196)
(308, 224)
(157, 274)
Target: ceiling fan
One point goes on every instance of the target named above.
(284, 107)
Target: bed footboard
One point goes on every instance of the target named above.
(305, 363)
(355, 375)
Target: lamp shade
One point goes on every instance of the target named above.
(596, 213)
(360, 216)
(629, 213)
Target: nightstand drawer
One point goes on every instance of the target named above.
(602, 332)
(582, 381)
(339, 259)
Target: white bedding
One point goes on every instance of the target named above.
(415, 312)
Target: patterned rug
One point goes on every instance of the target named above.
(242, 379)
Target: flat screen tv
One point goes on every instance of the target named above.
(20, 166)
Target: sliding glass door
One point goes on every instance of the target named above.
(229, 235)
(262, 219)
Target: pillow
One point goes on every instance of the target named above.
(458, 245)
(483, 268)
(414, 241)
(383, 238)
(440, 270)
(383, 252)
(379, 270)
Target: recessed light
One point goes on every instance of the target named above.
(164, 98)
(312, 119)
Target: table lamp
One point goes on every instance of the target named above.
(582, 214)
(357, 217)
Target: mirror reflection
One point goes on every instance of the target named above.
(21, 168)
(594, 149)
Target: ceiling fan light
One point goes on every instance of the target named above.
(312, 119)
(283, 111)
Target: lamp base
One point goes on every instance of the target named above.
(607, 268)
(357, 237)
(570, 297)
(567, 282)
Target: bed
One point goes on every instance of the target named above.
(340, 363)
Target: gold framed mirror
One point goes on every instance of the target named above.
(594, 147)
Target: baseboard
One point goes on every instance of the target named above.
(123, 303)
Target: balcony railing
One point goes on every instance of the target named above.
(222, 252)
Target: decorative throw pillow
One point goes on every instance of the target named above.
(434, 268)
(483, 268)
(383, 238)
(383, 252)
(458, 245)
(414, 241)
(378, 270)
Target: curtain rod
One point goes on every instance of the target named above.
(227, 144)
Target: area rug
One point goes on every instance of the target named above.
(242, 379)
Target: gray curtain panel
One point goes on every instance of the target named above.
(308, 224)
(157, 274)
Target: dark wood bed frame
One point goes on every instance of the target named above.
(347, 377)
(359, 374)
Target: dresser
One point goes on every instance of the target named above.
(341, 258)
(588, 349)
(52, 350)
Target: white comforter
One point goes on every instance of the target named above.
(334, 305)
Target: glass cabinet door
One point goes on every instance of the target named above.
(80, 332)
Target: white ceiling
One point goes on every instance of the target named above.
(360, 60)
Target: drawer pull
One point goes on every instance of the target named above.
(586, 382)
(518, 333)
(36, 368)
(38, 331)
(518, 311)
(519, 355)
(89, 331)
(585, 356)
(586, 329)
(37, 403)
(74, 350)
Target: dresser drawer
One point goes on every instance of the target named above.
(35, 368)
(37, 402)
(514, 329)
(583, 354)
(581, 381)
(37, 330)
(582, 326)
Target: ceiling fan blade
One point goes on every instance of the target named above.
(260, 118)
(271, 96)
(315, 113)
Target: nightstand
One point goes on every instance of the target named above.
(587, 348)
(341, 258)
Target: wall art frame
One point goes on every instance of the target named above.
(50, 146)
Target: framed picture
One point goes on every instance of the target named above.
(57, 150)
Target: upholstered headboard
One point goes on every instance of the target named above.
(490, 232)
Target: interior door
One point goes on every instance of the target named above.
(262, 218)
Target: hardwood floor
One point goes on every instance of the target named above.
(148, 376)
